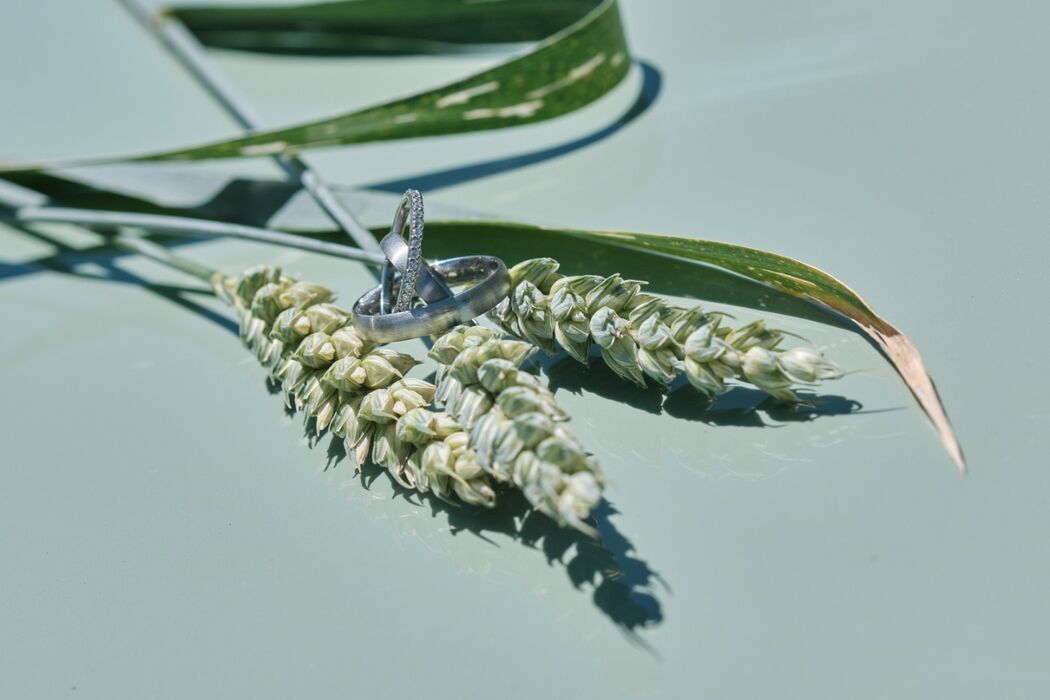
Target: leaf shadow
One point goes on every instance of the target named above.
(652, 84)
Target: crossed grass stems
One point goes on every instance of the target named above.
(501, 429)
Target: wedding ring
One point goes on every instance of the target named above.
(407, 258)
(491, 284)
(429, 286)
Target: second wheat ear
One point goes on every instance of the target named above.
(642, 336)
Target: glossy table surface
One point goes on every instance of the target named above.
(167, 530)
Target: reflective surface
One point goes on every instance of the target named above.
(167, 530)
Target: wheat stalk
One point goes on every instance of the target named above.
(642, 336)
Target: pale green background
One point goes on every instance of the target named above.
(166, 531)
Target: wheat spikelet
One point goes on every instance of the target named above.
(516, 428)
(354, 389)
(642, 336)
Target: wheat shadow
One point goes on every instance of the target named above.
(740, 406)
(621, 584)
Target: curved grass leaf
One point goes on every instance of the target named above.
(565, 72)
(784, 274)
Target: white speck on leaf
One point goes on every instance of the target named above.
(464, 96)
(525, 109)
(264, 149)
(580, 72)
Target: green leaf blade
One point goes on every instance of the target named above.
(567, 71)
(379, 26)
(788, 276)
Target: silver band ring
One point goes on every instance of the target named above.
(491, 285)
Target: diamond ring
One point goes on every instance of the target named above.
(408, 259)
